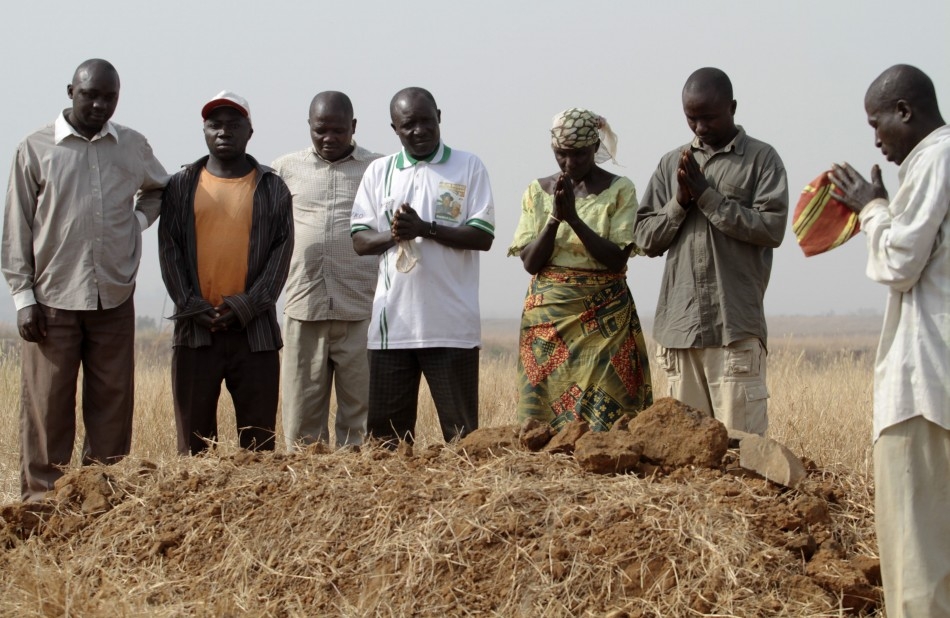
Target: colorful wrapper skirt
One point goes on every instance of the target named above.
(582, 353)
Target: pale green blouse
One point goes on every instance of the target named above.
(611, 213)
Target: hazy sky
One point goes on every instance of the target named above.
(500, 71)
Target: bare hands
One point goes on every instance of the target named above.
(407, 224)
(564, 204)
(690, 178)
(217, 319)
(225, 320)
(31, 323)
(853, 190)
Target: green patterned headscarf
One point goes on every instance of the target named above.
(578, 128)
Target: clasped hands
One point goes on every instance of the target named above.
(407, 224)
(217, 319)
(690, 180)
(565, 208)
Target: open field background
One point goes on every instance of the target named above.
(436, 532)
(820, 380)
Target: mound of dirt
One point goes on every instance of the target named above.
(497, 530)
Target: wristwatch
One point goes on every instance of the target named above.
(432, 229)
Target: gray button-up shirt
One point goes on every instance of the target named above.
(719, 250)
(328, 280)
(75, 211)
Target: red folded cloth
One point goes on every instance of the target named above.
(820, 221)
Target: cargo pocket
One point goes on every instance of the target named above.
(743, 361)
(756, 408)
(666, 361)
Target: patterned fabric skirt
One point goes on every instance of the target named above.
(582, 354)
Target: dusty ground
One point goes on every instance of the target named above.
(437, 532)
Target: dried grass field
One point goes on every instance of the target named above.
(436, 532)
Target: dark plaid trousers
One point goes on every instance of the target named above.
(452, 376)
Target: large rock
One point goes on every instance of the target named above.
(565, 439)
(674, 434)
(771, 460)
(489, 441)
(535, 435)
(608, 452)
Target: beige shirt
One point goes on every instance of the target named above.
(74, 215)
(719, 250)
(327, 280)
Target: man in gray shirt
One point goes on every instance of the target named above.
(82, 191)
(717, 207)
(330, 289)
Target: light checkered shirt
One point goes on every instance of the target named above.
(328, 280)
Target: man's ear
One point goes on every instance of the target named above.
(354, 125)
(69, 91)
(904, 111)
(438, 114)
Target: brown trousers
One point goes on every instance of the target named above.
(102, 342)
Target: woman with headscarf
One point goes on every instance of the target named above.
(582, 354)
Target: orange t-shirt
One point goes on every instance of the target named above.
(223, 215)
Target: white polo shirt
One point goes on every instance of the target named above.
(436, 303)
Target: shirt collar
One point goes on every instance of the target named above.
(358, 154)
(737, 144)
(62, 129)
(935, 136)
(405, 160)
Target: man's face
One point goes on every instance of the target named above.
(710, 116)
(95, 94)
(332, 133)
(227, 132)
(416, 122)
(891, 132)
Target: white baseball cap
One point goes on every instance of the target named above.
(226, 98)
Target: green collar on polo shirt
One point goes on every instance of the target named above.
(441, 155)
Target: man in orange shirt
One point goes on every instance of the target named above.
(225, 241)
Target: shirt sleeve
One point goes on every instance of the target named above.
(532, 210)
(148, 200)
(481, 205)
(659, 215)
(901, 234)
(364, 214)
(17, 252)
(624, 217)
(763, 221)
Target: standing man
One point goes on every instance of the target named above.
(909, 251)
(426, 211)
(329, 294)
(717, 207)
(225, 240)
(82, 191)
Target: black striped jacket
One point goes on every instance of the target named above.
(268, 261)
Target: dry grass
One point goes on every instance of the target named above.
(375, 533)
(820, 405)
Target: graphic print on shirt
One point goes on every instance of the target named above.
(449, 200)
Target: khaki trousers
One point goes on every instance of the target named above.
(319, 355)
(102, 342)
(727, 383)
(912, 515)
